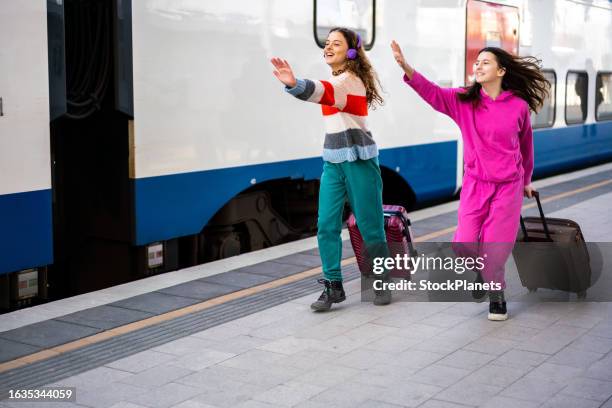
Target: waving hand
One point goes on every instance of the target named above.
(283, 72)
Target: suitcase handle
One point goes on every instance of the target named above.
(406, 222)
(389, 213)
(542, 217)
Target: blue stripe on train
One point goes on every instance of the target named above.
(177, 205)
(579, 145)
(26, 232)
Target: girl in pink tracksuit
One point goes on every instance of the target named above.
(494, 117)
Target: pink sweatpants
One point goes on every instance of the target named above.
(488, 221)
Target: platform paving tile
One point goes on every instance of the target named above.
(109, 395)
(239, 279)
(266, 376)
(439, 375)
(389, 344)
(508, 402)
(140, 361)
(10, 350)
(552, 339)
(230, 395)
(49, 333)
(521, 359)
(273, 269)
(591, 343)
(439, 345)
(468, 392)
(347, 395)
(157, 376)
(415, 359)
(199, 290)
(465, 359)
(603, 329)
(588, 388)
(533, 389)
(253, 359)
(290, 393)
(40, 404)
(256, 404)
(601, 369)
(434, 403)
(498, 376)
(377, 404)
(288, 345)
(332, 375)
(566, 401)
(383, 375)
(575, 357)
(94, 379)
(560, 374)
(105, 317)
(124, 404)
(304, 259)
(408, 394)
(167, 395)
(238, 344)
(155, 302)
(485, 345)
(201, 359)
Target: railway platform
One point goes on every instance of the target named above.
(239, 332)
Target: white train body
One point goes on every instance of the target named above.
(209, 119)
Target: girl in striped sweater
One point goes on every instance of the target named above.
(350, 169)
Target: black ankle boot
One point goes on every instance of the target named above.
(383, 297)
(497, 306)
(333, 293)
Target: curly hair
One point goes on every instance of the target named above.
(362, 67)
(523, 77)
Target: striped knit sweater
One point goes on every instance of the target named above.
(345, 109)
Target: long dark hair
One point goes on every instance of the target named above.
(523, 77)
(362, 67)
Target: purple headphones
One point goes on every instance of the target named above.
(352, 52)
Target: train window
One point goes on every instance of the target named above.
(603, 96)
(576, 99)
(546, 116)
(358, 15)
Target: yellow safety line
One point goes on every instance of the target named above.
(74, 345)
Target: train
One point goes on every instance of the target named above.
(141, 137)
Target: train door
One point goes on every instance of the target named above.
(489, 25)
(26, 245)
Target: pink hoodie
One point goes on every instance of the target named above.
(497, 135)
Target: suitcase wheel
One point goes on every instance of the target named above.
(581, 294)
(532, 290)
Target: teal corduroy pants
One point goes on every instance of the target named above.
(360, 183)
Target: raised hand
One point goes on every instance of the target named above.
(399, 58)
(283, 72)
